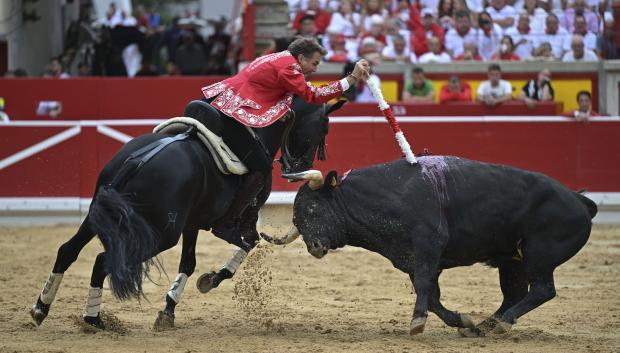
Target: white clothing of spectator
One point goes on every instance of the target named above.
(459, 35)
(489, 36)
(476, 6)
(487, 89)
(434, 55)
(501, 13)
(346, 19)
(558, 37)
(522, 36)
(589, 38)
(579, 52)
(397, 51)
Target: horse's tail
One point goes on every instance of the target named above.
(129, 241)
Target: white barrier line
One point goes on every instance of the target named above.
(34, 149)
(114, 134)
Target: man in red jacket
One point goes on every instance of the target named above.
(258, 96)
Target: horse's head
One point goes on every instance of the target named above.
(307, 135)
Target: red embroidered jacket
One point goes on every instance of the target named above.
(263, 91)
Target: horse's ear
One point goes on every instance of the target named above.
(331, 180)
(333, 107)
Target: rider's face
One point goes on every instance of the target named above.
(309, 64)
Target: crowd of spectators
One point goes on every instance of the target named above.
(141, 44)
(423, 31)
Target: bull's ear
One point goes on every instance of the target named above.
(333, 107)
(331, 180)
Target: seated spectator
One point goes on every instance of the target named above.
(506, 51)
(579, 9)
(522, 37)
(556, 36)
(578, 52)
(363, 93)
(542, 53)
(4, 117)
(539, 90)
(377, 31)
(536, 16)
(445, 12)
(435, 55)
(584, 112)
(347, 19)
(84, 70)
(321, 17)
(338, 51)
(607, 41)
(190, 56)
(502, 14)
(589, 38)
(371, 8)
(459, 35)
(393, 28)
(470, 53)
(489, 36)
(55, 69)
(455, 91)
(398, 51)
(420, 90)
(495, 90)
(429, 28)
(370, 50)
(307, 28)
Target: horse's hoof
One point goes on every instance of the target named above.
(467, 321)
(205, 282)
(95, 321)
(37, 314)
(417, 325)
(470, 332)
(164, 321)
(502, 327)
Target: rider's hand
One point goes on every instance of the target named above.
(361, 70)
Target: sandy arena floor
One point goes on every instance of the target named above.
(284, 300)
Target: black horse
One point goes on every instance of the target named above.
(160, 186)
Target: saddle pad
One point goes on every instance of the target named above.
(226, 161)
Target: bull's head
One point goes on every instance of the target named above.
(307, 136)
(315, 215)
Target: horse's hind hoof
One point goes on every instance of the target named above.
(205, 282)
(95, 321)
(417, 325)
(164, 321)
(470, 332)
(501, 328)
(467, 321)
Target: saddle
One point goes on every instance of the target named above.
(199, 115)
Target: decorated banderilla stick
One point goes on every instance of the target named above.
(373, 85)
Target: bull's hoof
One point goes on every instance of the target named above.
(164, 321)
(470, 332)
(205, 282)
(39, 311)
(95, 321)
(467, 321)
(501, 328)
(417, 325)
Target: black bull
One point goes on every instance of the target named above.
(138, 212)
(446, 212)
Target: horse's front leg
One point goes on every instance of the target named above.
(165, 319)
(248, 238)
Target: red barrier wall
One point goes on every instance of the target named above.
(121, 98)
(579, 155)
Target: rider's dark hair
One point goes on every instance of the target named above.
(305, 46)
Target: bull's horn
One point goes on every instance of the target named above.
(315, 178)
(292, 234)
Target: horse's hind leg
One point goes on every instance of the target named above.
(67, 254)
(165, 319)
(92, 309)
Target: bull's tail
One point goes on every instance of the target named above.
(590, 205)
(129, 241)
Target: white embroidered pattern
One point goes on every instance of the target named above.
(325, 90)
(267, 58)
